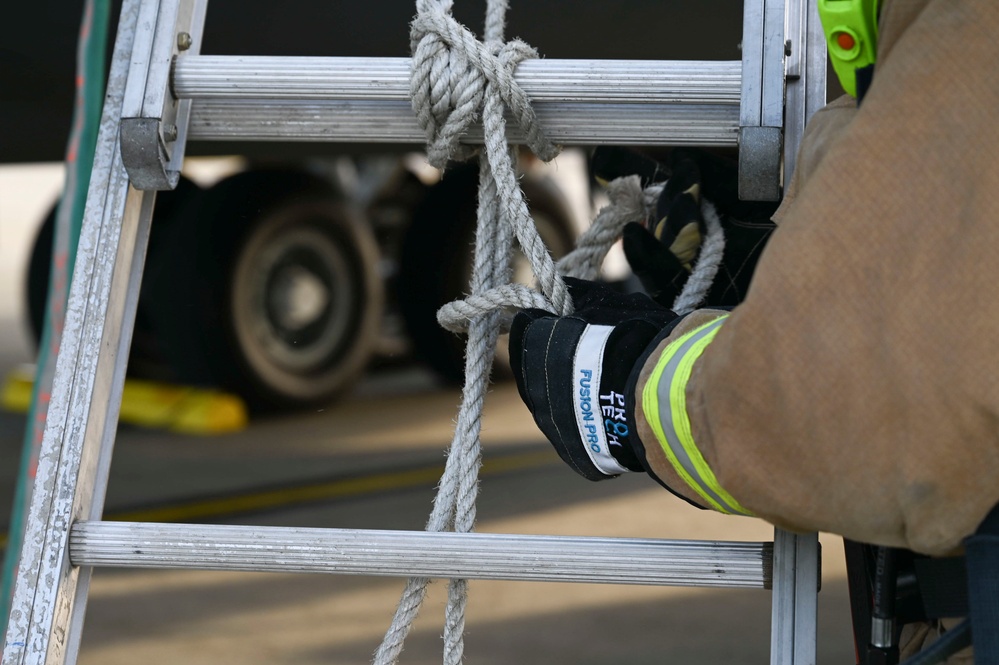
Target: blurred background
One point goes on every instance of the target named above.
(302, 280)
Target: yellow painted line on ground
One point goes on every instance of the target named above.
(286, 497)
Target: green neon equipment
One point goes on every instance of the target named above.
(851, 30)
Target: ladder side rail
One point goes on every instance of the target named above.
(806, 76)
(775, 14)
(751, 108)
(142, 145)
(81, 376)
(806, 596)
(437, 555)
(185, 38)
(794, 626)
(761, 118)
(782, 608)
(49, 593)
(152, 119)
(92, 479)
(794, 620)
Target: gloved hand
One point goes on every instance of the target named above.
(574, 373)
(662, 253)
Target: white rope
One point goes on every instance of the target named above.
(451, 70)
(456, 79)
(708, 261)
(455, 316)
(628, 203)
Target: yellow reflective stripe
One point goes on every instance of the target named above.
(667, 385)
(678, 403)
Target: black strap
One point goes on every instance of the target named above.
(982, 553)
(864, 77)
(982, 625)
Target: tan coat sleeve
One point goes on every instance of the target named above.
(856, 390)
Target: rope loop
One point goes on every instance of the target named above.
(451, 69)
(628, 203)
(457, 315)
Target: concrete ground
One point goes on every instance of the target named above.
(397, 420)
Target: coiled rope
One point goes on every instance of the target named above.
(456, 80)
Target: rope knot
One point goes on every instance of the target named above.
(452, 70)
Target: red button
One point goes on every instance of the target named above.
(845, 41)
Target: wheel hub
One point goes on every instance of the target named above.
(297, 298)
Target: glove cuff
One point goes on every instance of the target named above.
(568, 393)
(600, 415)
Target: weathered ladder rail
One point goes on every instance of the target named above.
(419, 553)
(579, 102)
(140, 147)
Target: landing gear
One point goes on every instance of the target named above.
(268, 284)
(273, 293)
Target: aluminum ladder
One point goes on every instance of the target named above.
(760, 104)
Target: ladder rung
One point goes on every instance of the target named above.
(422, 554)
(367, 99)
(394, 122)
(547, 80)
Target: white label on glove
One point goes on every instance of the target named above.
(586, 372)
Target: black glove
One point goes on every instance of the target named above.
(662, 253)
(610, 162)
(577, 374)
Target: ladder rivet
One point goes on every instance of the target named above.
(169, 132)
(184, 41)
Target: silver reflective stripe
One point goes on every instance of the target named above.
(666, 415)
(587, 370)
